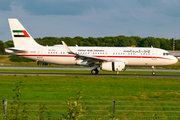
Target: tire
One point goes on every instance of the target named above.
(97, 71)
(153, 73)
(94, 71)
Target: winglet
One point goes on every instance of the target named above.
(67, 48)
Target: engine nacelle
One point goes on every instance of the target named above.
(80, 62)
(113, 66)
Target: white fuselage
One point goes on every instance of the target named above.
(132, 56)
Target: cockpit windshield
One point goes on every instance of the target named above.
(166, 53)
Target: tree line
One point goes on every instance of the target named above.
(117, 41)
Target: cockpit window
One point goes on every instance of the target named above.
(166, 54)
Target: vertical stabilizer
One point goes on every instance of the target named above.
(20, 35)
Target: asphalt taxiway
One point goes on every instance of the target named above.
(79, 74)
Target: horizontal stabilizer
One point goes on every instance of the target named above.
(14, 50)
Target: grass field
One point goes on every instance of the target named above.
(134, 96)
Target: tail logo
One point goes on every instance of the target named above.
(20, 33)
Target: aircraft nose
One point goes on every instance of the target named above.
(175, 60)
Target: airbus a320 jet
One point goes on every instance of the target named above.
(105, 58)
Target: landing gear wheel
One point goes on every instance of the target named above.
(153, 73)
(94, 71)
(97, 71)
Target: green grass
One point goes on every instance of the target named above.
(134, 95)
(2, 57)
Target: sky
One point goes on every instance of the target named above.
(92, 18)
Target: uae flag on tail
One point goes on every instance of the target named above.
(20, 33)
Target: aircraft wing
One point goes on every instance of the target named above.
(87, 58)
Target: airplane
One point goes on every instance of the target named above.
(105, 58)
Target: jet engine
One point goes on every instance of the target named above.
(80, 62)
(113, 66)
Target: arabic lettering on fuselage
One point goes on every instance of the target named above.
(137, 51)
(96, 50)
(90, 50)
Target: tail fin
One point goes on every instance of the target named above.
(21, 37)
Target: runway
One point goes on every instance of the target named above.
(82, 68)
(90, 75)
(79, 68)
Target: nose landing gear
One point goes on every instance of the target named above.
(153, 71)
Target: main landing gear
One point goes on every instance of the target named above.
(153, 71)
(94, 71)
